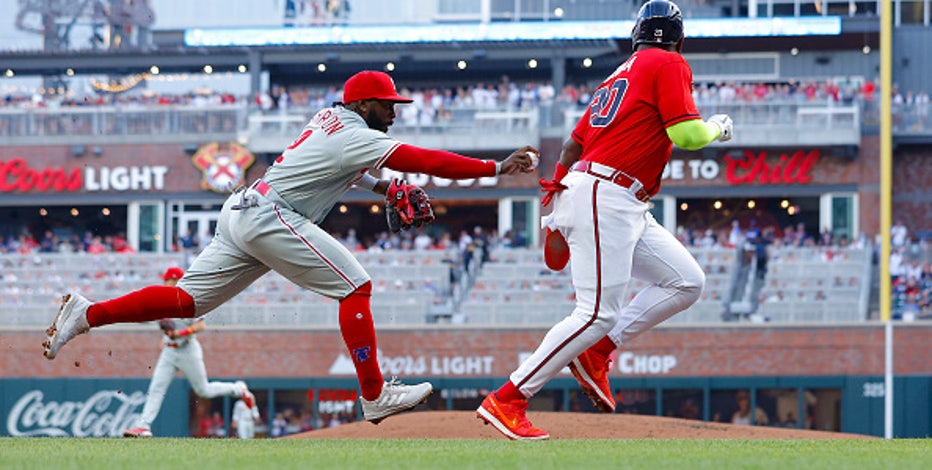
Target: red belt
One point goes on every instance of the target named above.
(261, 187)
(618, 177)
(269, 193)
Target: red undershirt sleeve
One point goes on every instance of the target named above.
(412, 159)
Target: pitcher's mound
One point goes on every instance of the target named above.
(465, 425)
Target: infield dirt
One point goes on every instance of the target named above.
(465, 425)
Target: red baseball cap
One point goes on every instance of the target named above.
(173, 272)
(371, 85)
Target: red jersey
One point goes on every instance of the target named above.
(624, 125)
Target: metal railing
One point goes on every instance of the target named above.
(476, 128)
(62, 125)
(805, 121)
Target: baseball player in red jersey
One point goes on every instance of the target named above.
(274, 225)
(609, 167)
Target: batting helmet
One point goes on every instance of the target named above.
(658, 22)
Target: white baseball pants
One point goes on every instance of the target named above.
(612, 236)
(190, 361)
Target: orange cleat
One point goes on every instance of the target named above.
(510, 418)
(591, 371)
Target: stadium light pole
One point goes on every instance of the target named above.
(886, 184)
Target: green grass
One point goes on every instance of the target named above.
(229, 454)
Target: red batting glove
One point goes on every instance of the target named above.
(553, 186)
(181, 333)
(550, 187)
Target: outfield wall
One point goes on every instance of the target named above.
(84, 407)
(829, 377)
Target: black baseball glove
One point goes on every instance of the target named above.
(406, 206)
(167, 325)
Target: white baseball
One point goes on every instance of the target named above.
(534, 160)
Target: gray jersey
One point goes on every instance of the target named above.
(335, 148)
(180, 324)
(278, 229)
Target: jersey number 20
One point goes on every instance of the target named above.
(605, 103)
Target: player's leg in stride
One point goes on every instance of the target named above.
(71, 321)
(380, 399)
(248, 398)
(395, 398)
(78, 315)
(591, 371)
(509, 417)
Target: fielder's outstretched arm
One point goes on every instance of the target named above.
(447, 165)
(409, 158)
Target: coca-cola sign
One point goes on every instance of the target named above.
(106, 413)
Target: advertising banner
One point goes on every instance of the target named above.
(85, 407)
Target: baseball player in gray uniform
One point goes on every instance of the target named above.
(610, 166)
(244, 419)
(273, 224)
(181, 351)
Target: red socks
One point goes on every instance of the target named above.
(146, 304)
(359, 337)
(509, 392)
(604, 346)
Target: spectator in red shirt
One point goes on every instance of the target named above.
(760, 91)
(96, 246)
(868, 90)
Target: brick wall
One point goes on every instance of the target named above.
(816, 350)
(912, 201)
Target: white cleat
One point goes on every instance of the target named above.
(248, 398)
(395, 398)
(137, 432)
(70, 322)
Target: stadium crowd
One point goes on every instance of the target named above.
(203, 110)
(25, 243)
(467, 251)
(910, 274)
(434, 104)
